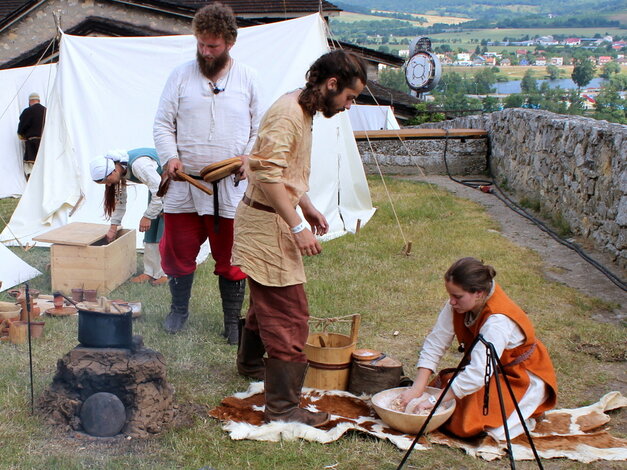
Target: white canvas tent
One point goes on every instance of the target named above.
(365, 117)
(106, 94)
(13, 270)
(15, 86)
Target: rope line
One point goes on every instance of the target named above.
(324, 323)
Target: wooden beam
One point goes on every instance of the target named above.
(411, 134)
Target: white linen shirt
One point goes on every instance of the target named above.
(145, 170)
(200, 127)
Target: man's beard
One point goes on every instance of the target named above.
(327, 107)
(210, 68)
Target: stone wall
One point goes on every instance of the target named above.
(39, 27)
(425, 156)
(574, 167)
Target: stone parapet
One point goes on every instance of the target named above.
(575, 168)
(409, 157)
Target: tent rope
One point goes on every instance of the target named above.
(407, 247)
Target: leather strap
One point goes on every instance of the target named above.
(257, 205)
(523, 357)
(216, 208)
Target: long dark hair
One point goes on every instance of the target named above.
(346, 67)
(112, 193)
(471, 275)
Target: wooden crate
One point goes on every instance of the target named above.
(81, 257)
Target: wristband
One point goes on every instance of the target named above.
(432, 400)
(298, 228)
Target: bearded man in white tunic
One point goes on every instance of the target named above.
(208, 112)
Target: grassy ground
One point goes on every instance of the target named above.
(7, 206)
(364, 273)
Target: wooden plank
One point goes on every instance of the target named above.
(410, 134)
(76, 234)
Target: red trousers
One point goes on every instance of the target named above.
(280, 315)
(182, 238)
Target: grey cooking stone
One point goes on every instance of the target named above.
(103, 414)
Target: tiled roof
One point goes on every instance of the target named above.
(9, 6)
(402, 103)
(249, 9)
(255, 7)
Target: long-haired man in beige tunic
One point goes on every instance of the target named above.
(271, 238)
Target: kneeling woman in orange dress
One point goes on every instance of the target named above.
(478, 305)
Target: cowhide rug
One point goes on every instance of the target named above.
(577, 434)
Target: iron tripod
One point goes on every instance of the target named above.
(493, 363)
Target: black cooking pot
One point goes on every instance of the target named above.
(105, 330)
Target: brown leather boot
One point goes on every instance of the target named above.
(250, 355)
(284, 381)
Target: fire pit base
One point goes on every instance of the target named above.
(136, 376)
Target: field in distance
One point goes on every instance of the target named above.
(349, 17)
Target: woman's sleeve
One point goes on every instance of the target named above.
(145, 169)
(438, 341)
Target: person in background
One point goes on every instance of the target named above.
(208, 112)
(271, 238)
(478, 305)
(30, 129)
(139, 165)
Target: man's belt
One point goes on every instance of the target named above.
(257, 205)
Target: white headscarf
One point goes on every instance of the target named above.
(102, 166)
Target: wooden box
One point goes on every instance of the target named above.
(81, 257)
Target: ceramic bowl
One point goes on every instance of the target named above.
(405, 422)
(8, 310)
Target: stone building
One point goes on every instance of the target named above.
(28, 29)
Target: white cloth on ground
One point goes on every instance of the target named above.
(201, 127)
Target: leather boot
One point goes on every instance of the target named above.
(181, 290)
(283, 384)
(232, 294)
(250, 355)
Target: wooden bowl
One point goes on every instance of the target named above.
(366, 354)
(410, 423)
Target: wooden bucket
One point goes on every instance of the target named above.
(329, 357)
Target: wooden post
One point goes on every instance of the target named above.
(407, 249)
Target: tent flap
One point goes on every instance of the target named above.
(106, 94)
